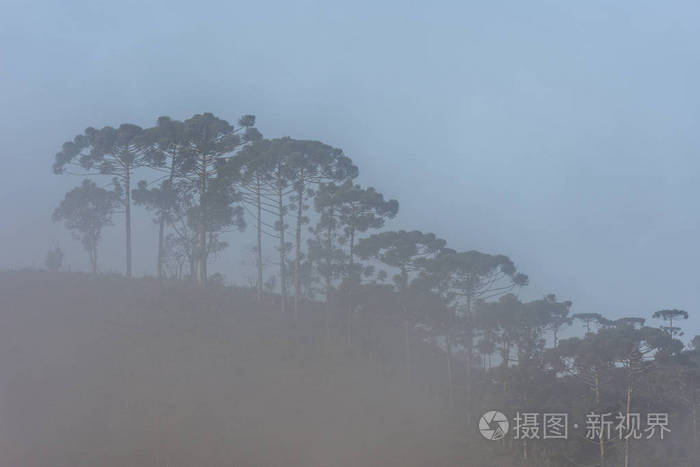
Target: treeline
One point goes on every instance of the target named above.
(203, 177)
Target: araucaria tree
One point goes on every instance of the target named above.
(324, 252)
(310, 164)
(166, 147)
(464, 278)
(361, 209)
(110, 151)
(279, 175)
(279, 184)
(344, 211)
(210, 140)
(85, 211)
(670, 315)
(403, 250)
(251, 172)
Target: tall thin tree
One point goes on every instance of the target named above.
(210, 141)
(311, 163)
(110, 151)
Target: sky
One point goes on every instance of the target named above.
(562, 134)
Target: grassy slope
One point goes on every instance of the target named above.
(109, 372)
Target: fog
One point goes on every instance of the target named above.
(563, 135)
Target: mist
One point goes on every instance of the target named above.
(563, 136)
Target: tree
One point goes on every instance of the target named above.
(635, 342)
(110, 151)
(279, 184)
(310, 164)
(632, 322)
(591, 360)
(361, 209)
(670, 315)
(54, 259)
(462, 279)
(282, 174)
(520, 326)
(210, 140)
(166, 147)
(501, 320)
(250, 170)
(323, 249)
(85, 210)
(403, 250)
(558, 315)
(345, 210)
(592, 318)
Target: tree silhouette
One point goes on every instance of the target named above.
(558, 315)
(210, 140)
(310, 164)
(166, 154)
(403, 250)
(279, 184)
(85, 210)
(361, 209)
(324, 251)
(110, 151)
(54, 259)
(670, 315)
(589, 319)
(462, 279)
(251, 171)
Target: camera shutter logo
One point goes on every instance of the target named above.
(493, 425)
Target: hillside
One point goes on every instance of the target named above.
(105, 371)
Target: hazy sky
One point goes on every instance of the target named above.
(563, 134)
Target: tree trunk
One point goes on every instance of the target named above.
(505, 356)
(93, 259)
(407, 344)
(627, 418)
(297, 261)
(161, 226)
(127, 205)
(450, 374)
(161, 232)
(351, 281)
(258, 201)
(694, 415)
(283, 266)
(203, 223)
(329, 252)
(329, 274)
(469, 347)
(601, 441)
(352, 241)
